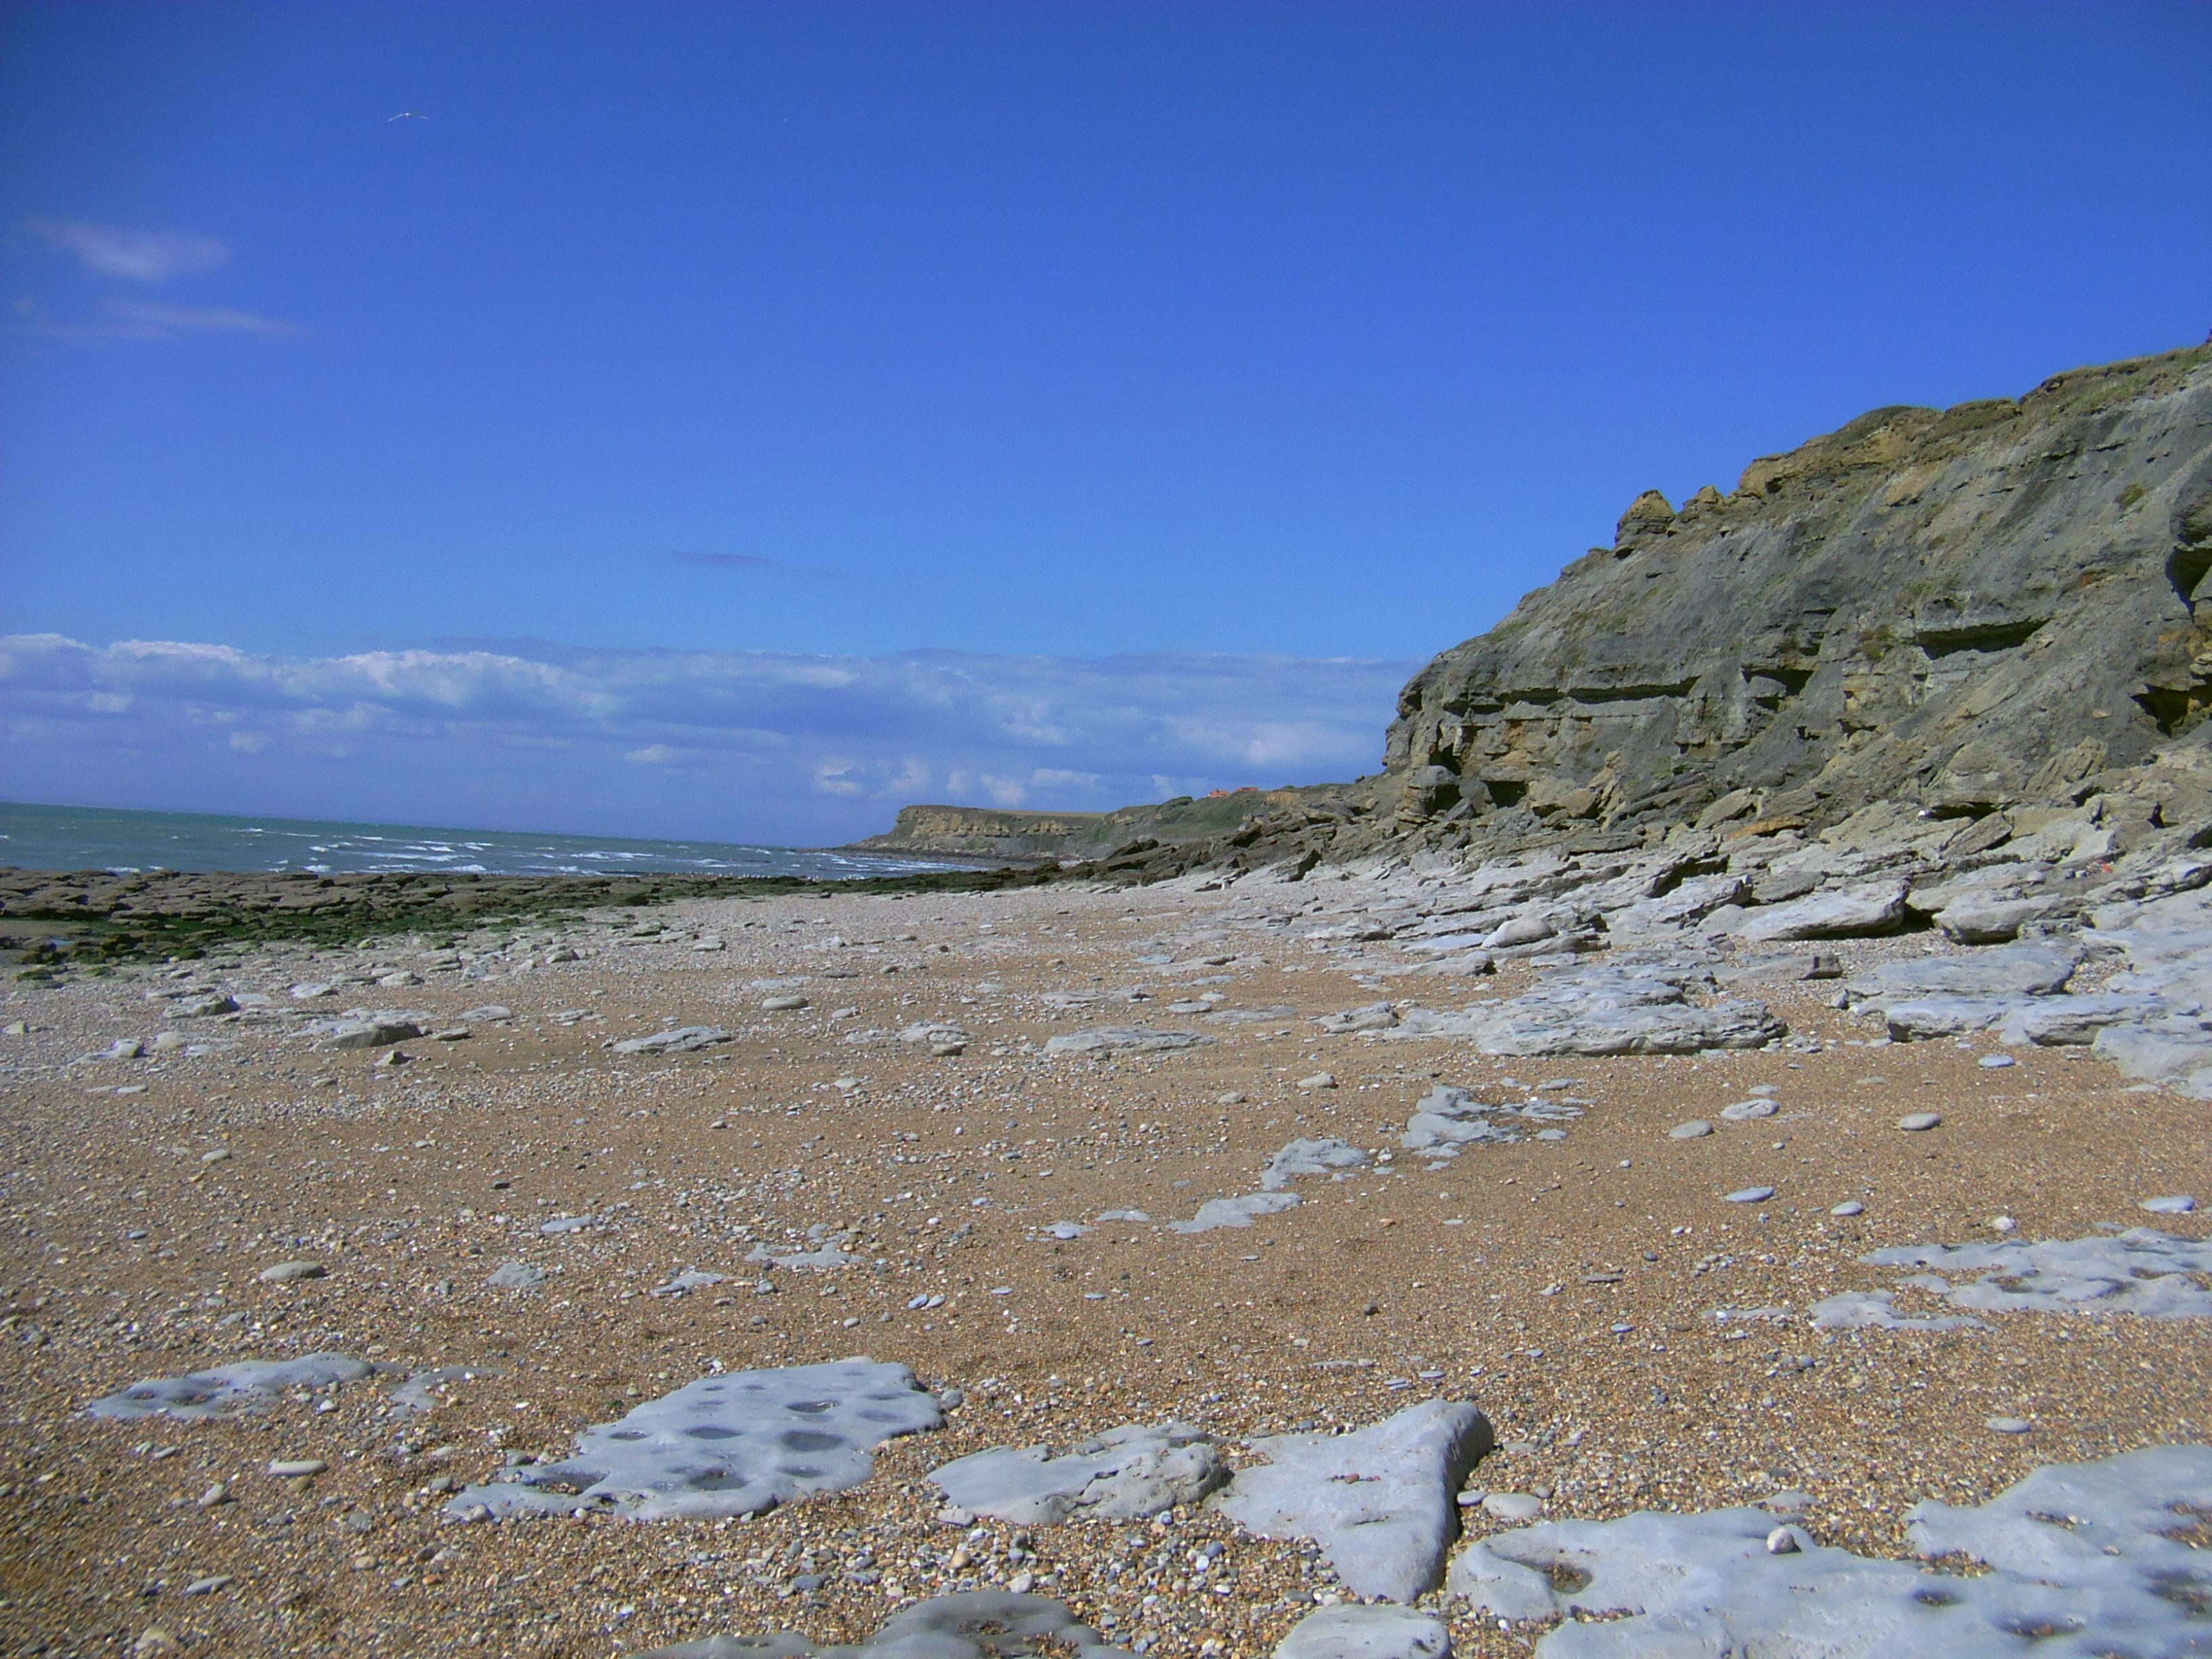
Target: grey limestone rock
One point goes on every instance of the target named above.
(367, 1028)
(2011, 970)
(1854, 913)
(974, 1625)
(1858, 1311)
(1605, 1010)
(2080, 1566)
(1379, 1502)
(1305, 1157)
(1354, 1631)
(1123, 1040)
(1448, 1119)
(683, 1284)
(1374, 1017)
(2150, 1274)
(2064, 1021)
(827, 1253)
(2176, 1051)
(516, 1276)
(678, 1039)
(1988, 922)
(227, 1390)
(1127, 1474)
(1218, 1213)
(733, 1444)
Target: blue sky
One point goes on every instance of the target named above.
(1115, 355)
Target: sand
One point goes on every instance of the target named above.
(1571, 1289)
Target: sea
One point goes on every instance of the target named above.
(99, 838)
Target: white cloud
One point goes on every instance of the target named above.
(744, 746)
(136, 256)
(147, 319)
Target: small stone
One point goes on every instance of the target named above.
(1782, 1540)
(218, 1493)
(153, 1642)
(1916, 1123)
(1318, 1080)
(2176, 1204)
(2008, 1425)
(208, 1585)
(782, 1005)
(1849, 1206)
(2004, 1224)
(1744, 1110)
(1696, 1128)
(296, 1469)
(1995, 1062)
(1022, 1583)
(1751, 1196)
(284, 1273)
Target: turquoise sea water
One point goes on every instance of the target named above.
(96, 838)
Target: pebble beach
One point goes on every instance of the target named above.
(533, 1177)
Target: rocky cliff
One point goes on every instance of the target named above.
(1993, 611)
(1013, 835)
(1962, 609)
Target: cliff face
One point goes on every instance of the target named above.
(1960, 609)
(1019, 836)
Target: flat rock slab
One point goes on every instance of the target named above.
(227, 1390)
(975, 1625)
(1306, 1156)
(2176, 1052)
(1710, 1584)
(825, 1255)
(1125, 1475)
(1986, 922)
(1878, 909)
(368, 1029)
(1448, 1120)
(1873, 1310)
(682, 1040)
(2010, 970)
(1358, 1632)
(732, 1445)
(1124, 1040)
(1374, 1017)
(1607, 1010)
(1380, 1502)
(1218, 1212)
(2141, 1272)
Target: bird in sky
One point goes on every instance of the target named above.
(406, 115)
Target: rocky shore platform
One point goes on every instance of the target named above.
(47, 916)
(1752, 1242)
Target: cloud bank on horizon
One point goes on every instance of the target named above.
(755, 746)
